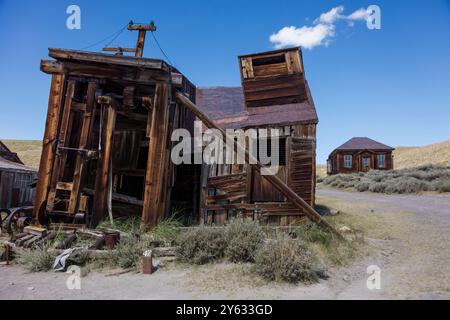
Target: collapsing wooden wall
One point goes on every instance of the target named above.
(107, 145)
(275, 98)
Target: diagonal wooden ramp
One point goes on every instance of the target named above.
(257, 166)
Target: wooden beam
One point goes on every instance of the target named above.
(102, 174)
(257, 166)
(58, 166)
(86, 129)
(51, 129)
(140, 43)
(156, 157)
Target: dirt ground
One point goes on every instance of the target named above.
(408, 238)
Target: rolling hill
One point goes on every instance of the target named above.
(409, 157)
(29, 151)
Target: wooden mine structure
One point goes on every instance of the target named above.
(106, 147)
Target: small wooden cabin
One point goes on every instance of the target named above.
(274, 95)
(360, 154)
(15, 180)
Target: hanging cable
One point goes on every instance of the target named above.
(162, 51)
(114, 35)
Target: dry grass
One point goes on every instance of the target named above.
(29, 151)
(408, 157)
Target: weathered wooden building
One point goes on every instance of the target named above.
(274, 95)
(360, 154)
(106, 147)
(15, 180)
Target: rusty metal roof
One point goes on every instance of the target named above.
(363, 143)
(226, 105)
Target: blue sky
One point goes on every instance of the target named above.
(392, 85)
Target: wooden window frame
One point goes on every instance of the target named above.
(348, 163)
(381, 156)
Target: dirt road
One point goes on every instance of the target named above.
(435, 208)
(415, 253)
(409, 240)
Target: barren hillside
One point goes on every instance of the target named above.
(408, 157)
(29, 151)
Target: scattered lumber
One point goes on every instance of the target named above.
(67, 241)
(164, 251)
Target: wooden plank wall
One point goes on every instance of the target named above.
(226, 193)
(15, 188)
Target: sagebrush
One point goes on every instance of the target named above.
(201, 245)
(412, 180)
(290, 260)
(243, 237)
(35, 260)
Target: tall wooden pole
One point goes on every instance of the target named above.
(140, 44)
(103, 165)
(156, 160)
(50, 134)
(86, 129)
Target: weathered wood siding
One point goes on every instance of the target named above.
(15, 188)
(337, 161)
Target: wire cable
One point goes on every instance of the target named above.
(114, 35)
(162, 51)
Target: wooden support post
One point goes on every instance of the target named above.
(102, 174)
(58, 166)
(257, 166)
(86, 129)
(51, 129)
(156, 157)
(140, 43)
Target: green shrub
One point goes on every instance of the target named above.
(167, 230)
(407, 185)
(379, 187)
(201, 245)
(284, 259)
(127, 253)
(411, 180)
(312, 232)
(35, 260)
(125, 224)
(362, 186)
(243, 238)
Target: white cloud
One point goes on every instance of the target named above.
(331, 16)
(360, 14)
(307, 37)
(320, 33)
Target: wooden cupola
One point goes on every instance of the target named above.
(273, 78)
